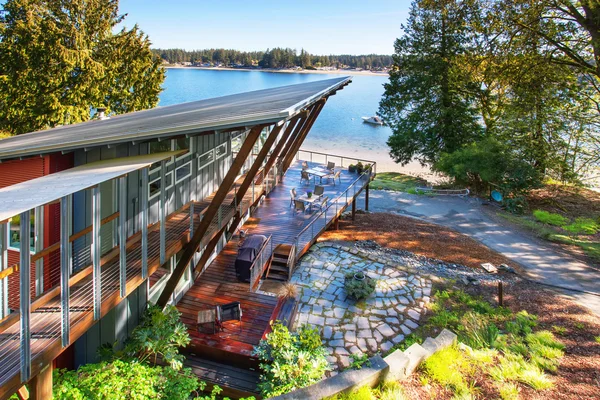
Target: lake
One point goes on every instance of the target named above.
(339, 128)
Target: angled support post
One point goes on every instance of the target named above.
(279, 146)
(297, 130)
(210, 213)
(144, 221)
(65, 270)
(96, 249)
(161, 211)
(25, 294)
(123, 236)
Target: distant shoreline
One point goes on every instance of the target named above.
(285, 71)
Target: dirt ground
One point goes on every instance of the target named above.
(578, 376)
(571, 202)
(433, 241)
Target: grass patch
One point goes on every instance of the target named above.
(451, 368)
(590, 248)
(550, 218)
(396, 181)
(597, 339)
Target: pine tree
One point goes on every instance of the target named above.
(427, 100)
(59, 59)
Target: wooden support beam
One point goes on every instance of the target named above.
(294, 122)
(23, 393)
(297, 130)
(40, 386)
(209, 214)
(302, 135)
(256, 165)
(208, 250)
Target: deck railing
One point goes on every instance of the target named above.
(340, 161)
(332, 211)
(258, 267)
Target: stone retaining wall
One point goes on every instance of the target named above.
(394, 367)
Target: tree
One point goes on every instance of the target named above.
(428, 102)
(59, 59)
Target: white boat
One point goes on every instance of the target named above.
(375, 120)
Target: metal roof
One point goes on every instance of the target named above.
(15, 199)
(238, 110)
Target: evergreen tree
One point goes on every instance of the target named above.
(427, 101)
(60, 58)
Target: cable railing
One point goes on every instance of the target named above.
(333, 209)
(259, 266)
(343, 161)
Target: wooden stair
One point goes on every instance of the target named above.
(279, 269)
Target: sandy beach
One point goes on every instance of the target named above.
(287, 71)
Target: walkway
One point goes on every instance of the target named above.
(543, 263)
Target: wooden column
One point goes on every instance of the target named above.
(295, 121)
(40, 386)
(297, 129)
(302, 135)
(209, 214)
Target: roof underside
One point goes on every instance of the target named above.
(238, 110)
(27, 195)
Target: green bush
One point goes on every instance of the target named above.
(290, 360)
(550, 218)
(124, 380)
(586, 226)
(359, 289)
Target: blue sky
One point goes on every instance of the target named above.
(321, 27)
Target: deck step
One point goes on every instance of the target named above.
(235, 382)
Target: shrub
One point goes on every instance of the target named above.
(290, 360)
(359, 289)
(478, 333)
(586, 226)
(360, 167)
(550, 218)
(351, 168)
(123, 380)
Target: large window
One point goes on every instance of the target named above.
(183, 172)
(221, 150)
(155, 184)
(15, 232)
(205, 159)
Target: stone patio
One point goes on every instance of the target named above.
(374, 325)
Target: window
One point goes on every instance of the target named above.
(154, 185)
(205, 159)
(15, 232)
(183, 172)
(221, 150)
(159, 147)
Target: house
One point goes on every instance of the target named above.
(146, 207)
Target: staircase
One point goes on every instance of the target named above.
(281, 263)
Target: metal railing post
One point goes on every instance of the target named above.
(161, 212)
(144, 221)
(25, 295)
(65, 263)
(123, 236)
(191, 219)
(4, 234)
(97, 248)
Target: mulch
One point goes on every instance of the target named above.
(578, 375)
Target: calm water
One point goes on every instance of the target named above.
(339, 128)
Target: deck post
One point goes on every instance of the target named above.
(96, 249)
(123, 236)
(144, 222)
(353, 208)
(25, 294)
(40, 387)
(367, 197)
(161, 211)
(65, 270)
(4, 229)
(38, 245)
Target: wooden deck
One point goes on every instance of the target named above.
(218, 283)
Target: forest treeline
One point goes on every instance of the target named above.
(273, 58)
(498, 94)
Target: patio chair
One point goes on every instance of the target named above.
(304, 176)
(319, 190)
(229, 312)
(293, 196)
(304, 165)
(337, 176)
(299, 206)
(323, 204)
(208, 316)
(330, 165)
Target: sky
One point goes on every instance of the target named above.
(318, 26)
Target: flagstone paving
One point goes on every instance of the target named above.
(348, 327)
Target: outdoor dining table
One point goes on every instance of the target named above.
(320, 172)
(309, 200)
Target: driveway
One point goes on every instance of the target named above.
(543, 263)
